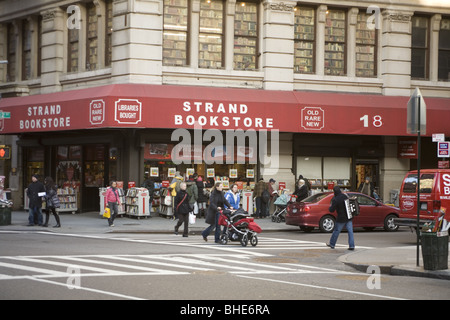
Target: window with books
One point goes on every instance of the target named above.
(304, 37)
(92, 38)
(444, 50)
(175, 33)
(26, 50)
(246, 36)
(73, 47)
(419, 47)
(366, 42)
(211, 34)
(335, 35)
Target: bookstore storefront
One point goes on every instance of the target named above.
(85, 138)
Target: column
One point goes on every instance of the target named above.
(137, 41)
(52, 63)
(278, 45)
(396, 53)
(351, 42)
(320, 41)
(434, 46)
(229, 33)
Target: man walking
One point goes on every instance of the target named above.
(338, 205)
(35, 205)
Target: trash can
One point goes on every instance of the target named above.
(435, 250)
(5, 216)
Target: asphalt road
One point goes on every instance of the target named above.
(283, 266)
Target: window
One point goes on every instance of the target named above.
(335, 34)
(444, 50)
(211, 34)
(11, 53)
(26, 50)
(419, 47)
(365, 47)
(73, 50)
(92, 38)
(410, 185)
(246, 36)
(304, 37)
(108, 48)
(175, 33)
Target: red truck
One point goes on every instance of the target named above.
(434, 194)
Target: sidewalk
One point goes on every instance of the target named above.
(392, 260)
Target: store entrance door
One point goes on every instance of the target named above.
(368, 168)
(95, 172)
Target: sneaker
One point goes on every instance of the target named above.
(351, 249)
(329, 245)
(111, 225)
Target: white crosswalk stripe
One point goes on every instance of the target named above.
(45, 267)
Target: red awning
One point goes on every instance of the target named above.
(164, 106)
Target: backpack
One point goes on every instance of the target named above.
(265, 196)
(352, 207)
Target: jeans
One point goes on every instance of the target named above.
(207, 231)
(32, 212)
(114, 207)
(337, 230)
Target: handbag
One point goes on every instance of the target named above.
(192, 218)
(107, 213)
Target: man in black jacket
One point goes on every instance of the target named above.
(35, 204)
(338, 205)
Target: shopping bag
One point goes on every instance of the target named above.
(107, 213)
(192, 218)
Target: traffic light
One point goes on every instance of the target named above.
(5, 152)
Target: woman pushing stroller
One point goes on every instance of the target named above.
(217, 201)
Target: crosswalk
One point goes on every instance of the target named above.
(46, 267)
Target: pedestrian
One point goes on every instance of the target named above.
(217, 202)
(182, 209)
(35, 193)
(338, 205)
(192, 190)
(51, 197)
(302, 190)
(273, 195)
(233, 197)
(262, 198)
(202, 199)
(367, 187)
(113, 200)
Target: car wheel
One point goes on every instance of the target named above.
(389, 224)
(327, 223)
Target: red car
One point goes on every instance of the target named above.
(313, 212)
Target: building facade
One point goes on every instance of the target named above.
(269, 59)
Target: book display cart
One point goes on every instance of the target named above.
(68, 200)
(137, 201)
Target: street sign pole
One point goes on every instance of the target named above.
(418, 180)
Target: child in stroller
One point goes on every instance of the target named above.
(239, 226)
(281, 204)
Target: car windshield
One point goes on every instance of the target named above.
(315, 198)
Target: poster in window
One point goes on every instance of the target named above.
(250, 173)
(154, 172)
(210, 173)
(171, 172)
(233, 173)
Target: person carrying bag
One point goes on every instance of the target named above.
(113, 200)
(182, 209)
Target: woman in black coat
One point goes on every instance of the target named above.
(216, 203)
(182, 209)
